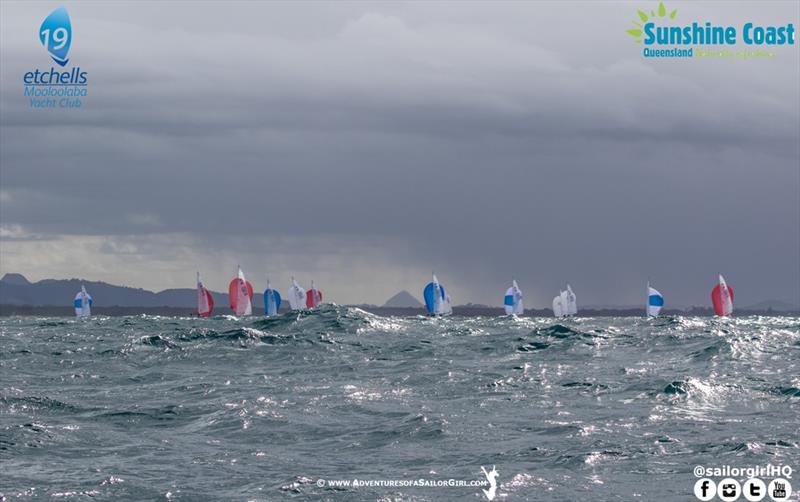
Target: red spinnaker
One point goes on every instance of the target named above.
(721, 307)
(313, 298)
(233, 289)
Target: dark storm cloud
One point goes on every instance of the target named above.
(483, 143)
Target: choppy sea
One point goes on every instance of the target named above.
(162, 408)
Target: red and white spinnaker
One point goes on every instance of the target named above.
(722, 298)
(205, 302)
(240, 294)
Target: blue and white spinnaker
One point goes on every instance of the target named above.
(655, 301)
(437, 301)
(272, 300)
(83, 303)
(513, 300)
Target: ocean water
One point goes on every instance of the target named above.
(160, 408)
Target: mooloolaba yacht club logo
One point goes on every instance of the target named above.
(56, 35)
(661, 34)
(58, 86)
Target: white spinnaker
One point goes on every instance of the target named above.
(572, 302)
(558, 307)
(243, 304)
(725, 295)
(296, 296)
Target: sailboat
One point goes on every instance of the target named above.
(572, 301)
(566, 303)
(272, 300)
(655, 301)
(313, 297)
(447, 306)
(205, 302)
(722, 298)
(513, 300)
(83, 303)
(240, 295)
(296, 296)
(558, 306)
(437, 301)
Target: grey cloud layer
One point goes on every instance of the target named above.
(484, 143)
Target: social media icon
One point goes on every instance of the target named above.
(754, 489)
(779, 489)
(705, 489)
(729, 490)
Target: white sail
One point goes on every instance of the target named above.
(447, 304)
(203, 308)
(725, 296)
(83, 303)
(296, 296)
(655, 301)
(244, 305)
(558, 307)
(564, 303)
(571, 302)
(438, 302)
(513, 300)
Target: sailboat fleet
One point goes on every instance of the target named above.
(566, 303)
(437, 299)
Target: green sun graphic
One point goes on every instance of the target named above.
(662, 12)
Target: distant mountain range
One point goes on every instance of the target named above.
(16, 290)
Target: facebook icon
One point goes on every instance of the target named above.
(705, 489)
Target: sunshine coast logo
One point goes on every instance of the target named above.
(663, 37)
(56, 87)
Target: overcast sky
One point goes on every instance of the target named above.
(363, 145)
